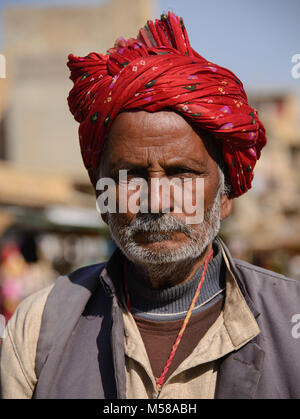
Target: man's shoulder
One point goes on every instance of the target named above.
(24, 326)
(32, 307)
(88, 268)
(267, 287)
(88, 271)
(21, 337)
(248, 272)
(265, 274)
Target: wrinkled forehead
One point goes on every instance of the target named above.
(164, 131)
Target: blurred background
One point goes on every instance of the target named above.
(48, 221)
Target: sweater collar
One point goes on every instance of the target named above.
(173, 302)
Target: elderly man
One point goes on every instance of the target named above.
(171, 314)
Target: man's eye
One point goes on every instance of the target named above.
(131, 176)
(181, 171)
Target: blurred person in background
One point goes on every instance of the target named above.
(23, 271)
(171, 314)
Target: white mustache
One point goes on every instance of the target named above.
(158, 223)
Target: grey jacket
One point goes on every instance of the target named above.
(82, 330)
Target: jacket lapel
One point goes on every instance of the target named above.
(240, 371)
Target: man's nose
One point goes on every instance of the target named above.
(160, 199)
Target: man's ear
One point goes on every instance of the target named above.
(94, 179)
(226, 206)
(104, 217)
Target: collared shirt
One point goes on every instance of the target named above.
(196, 376)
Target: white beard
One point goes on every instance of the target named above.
(164, 261)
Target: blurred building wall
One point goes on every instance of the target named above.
(265, 226)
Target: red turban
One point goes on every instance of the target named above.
(159, 70)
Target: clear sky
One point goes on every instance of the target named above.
(256, 39)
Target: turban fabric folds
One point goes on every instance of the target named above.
(159, 70)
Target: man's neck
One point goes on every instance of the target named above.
(172, 303)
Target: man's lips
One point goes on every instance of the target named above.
(154, 236)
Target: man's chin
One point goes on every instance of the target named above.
(161, 247)
(160, 252)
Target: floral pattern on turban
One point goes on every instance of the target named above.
(159, 70)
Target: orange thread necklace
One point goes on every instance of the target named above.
(160, 380)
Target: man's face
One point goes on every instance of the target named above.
(162, 145)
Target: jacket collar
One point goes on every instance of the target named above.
(240, 371)
(230, 264)
(111, 277)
